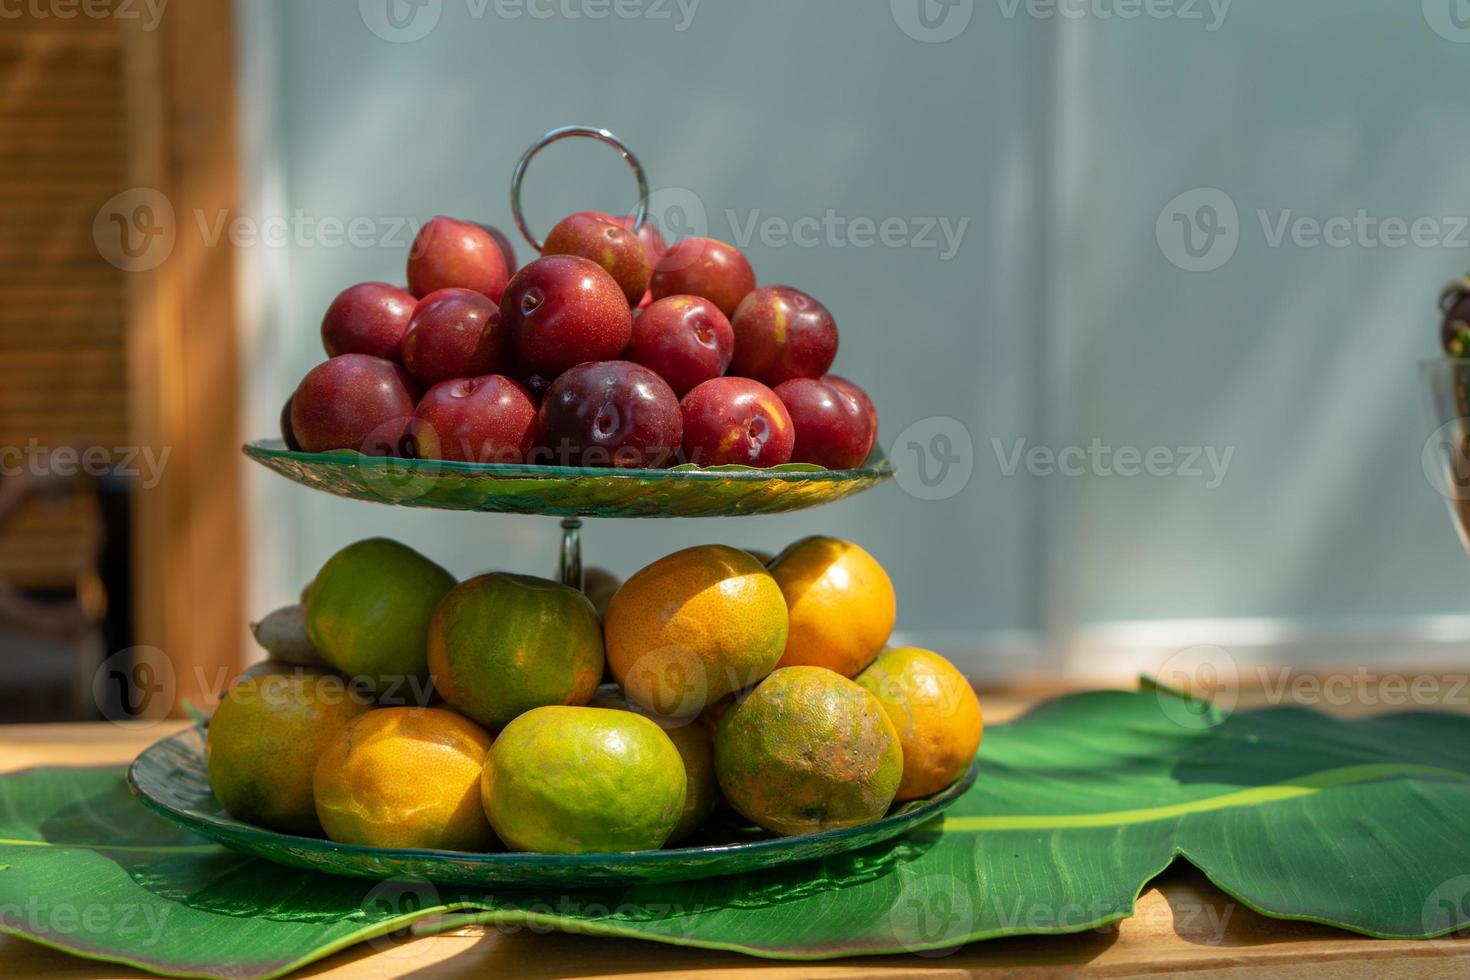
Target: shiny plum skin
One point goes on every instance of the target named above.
(736, 421)
(686, 340)
(490, 419)
(451, 254)
(563, 310)
(654, 245)
(609, 413)
(353, 402)
(287, 435)
(507, 250)
(369, 318)
(835, 424)
(865, 405)
(456, 333)
(782, 333)
(597, 237)
(704, 267)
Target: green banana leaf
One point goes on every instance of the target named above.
(1363, 825)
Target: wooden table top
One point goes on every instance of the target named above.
(1182, 925)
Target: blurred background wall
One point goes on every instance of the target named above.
(767, 110)
(1130, 283)
(1138, 289)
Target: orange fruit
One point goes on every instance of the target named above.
(405, 777)
(692, 627)
(368, 613)
(841, 605)
(265, 739)
(567, 780)
(502, 644)
(696, 746)
(935, 711)
(807, 751)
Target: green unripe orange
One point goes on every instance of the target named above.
(500, 645)
(566, 780)
(368, 615)
(696, 747)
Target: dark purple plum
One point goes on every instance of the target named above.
(609, 413)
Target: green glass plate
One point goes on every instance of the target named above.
(563, 491)
(171, 777)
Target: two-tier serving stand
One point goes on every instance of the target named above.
(171, 777)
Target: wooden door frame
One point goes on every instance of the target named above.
(189, 562)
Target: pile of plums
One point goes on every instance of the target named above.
(610, 349)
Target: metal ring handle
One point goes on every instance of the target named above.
(566, 132)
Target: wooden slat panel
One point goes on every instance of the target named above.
(49, 543)
(91, 107)
(25, 361)
(66, 28)
(31, 82)
(64, 228)
(87, 410)
(50, 100)
(101, 293)
(69, 431)
(63, 329)
(61, 326)
(51, 569)
(43, 516)
(75, 213)
(83, 268)
(61, 129)
(88, 48)
(61, 424)
(40, 187)
(91, 338)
